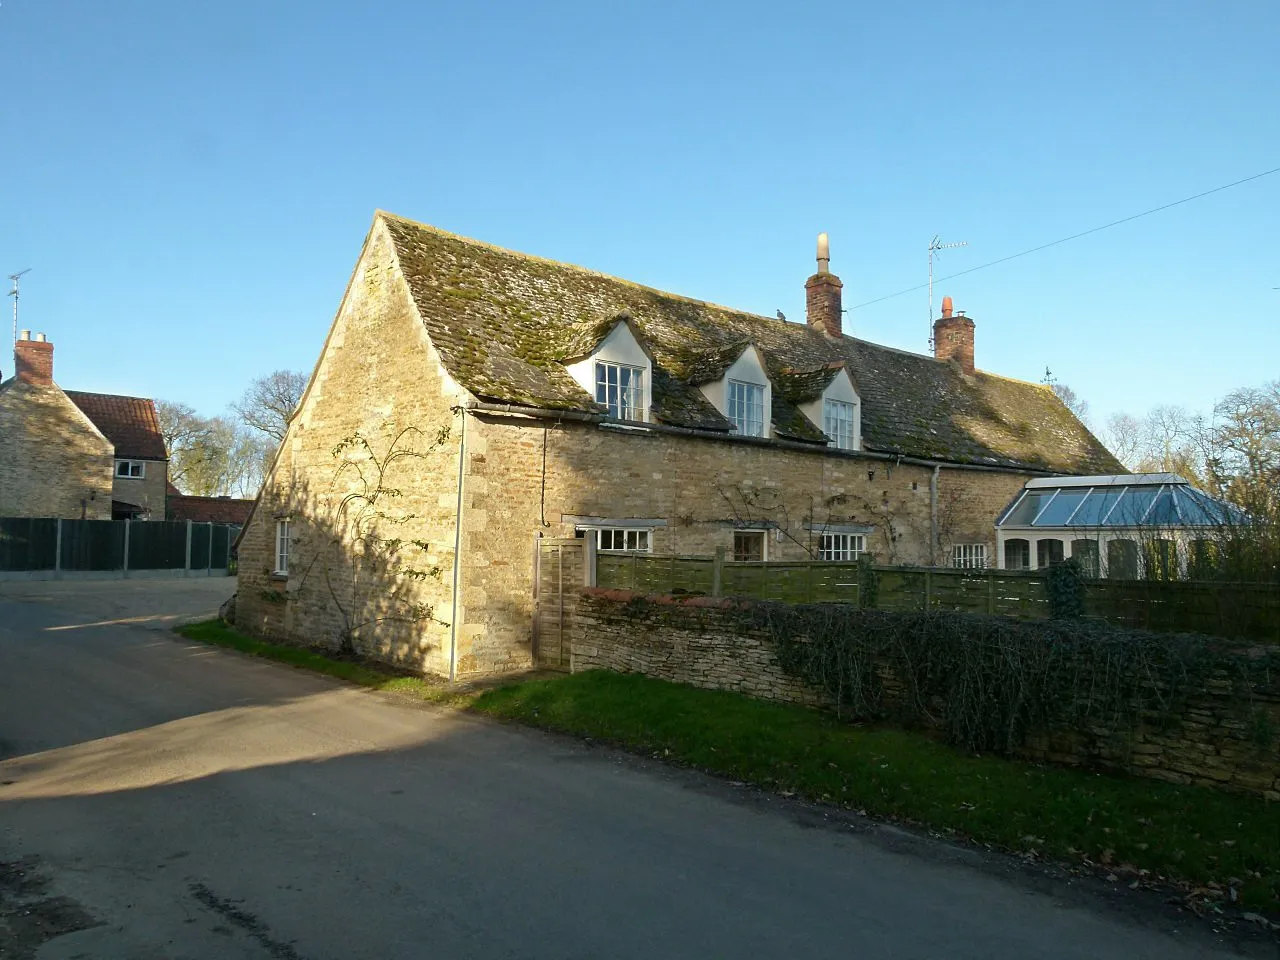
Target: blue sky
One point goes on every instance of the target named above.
(191, 183)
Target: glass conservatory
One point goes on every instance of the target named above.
(1127, 527)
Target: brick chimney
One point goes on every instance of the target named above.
(953, 337)
(822, 294)
(33, 359)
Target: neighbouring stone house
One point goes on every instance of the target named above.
(469, 400)
(75, 455)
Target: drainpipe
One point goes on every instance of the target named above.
(933, 516)
(457, 554)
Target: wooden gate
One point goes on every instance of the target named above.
(559, 570)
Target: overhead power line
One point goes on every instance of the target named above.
(1074, 236)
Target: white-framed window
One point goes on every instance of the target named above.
(283, 540)
(620, 539)
(133, 469)
(838, 423)
(972, 556)
(746, 408)
(749, 546)
(620, 387)
(841, 546)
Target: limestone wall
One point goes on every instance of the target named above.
(378, 401)
(1218, 741)
(53, 461)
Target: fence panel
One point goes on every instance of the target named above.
(200, 536)
(158, 545)
(92, 545)
(223, 537)
(1234, 610)
(28, 543)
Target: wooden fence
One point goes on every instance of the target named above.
(46, 547)
(1243, 610)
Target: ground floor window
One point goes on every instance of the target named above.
(283, 539)
(1085, 553)
(1122, 560)
(1202, 559)
(1017, 554)
(1162, 560)
(1048, 553)
(620, 539)
(972, 556)
(841, 546)
(748, 546)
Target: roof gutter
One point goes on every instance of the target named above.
(578, 416)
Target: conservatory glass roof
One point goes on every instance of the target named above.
(1127, 500)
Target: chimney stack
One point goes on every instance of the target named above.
(953, 337)
(822, 294)
(33, 359)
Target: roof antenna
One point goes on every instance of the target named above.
(934, 246)
(14, 293)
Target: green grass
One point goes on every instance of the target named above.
(1128, 825)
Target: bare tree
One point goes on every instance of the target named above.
(1125, 437)
(1072, 401)
(270, 401)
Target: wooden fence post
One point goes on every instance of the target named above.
(717, 573)
(928, 587)
(589, 562)
(991, 592)
(125, 571)
(57, 552)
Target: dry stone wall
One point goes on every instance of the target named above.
(1217, 741)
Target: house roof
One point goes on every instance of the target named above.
(1153, 500)
(131, 423)
(505, 323)
(208, 509)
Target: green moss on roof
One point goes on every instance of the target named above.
(505, 323)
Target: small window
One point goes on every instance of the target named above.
(838, 423)
(621, 388)
(748, 546)
(1048, 553)
(1017, 554)
(133, 469)
(841, 546)
(969, 556)
(746, 408)
(1202, 560)
(1162, 559)
(283, 539)
(623, 539)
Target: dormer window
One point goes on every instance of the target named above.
(620, 388)
(839, 423)
(746, 408)
(617, 374)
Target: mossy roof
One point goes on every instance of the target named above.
(506, 323)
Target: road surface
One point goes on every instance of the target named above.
(161, 799)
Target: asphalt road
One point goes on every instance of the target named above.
(162, 799)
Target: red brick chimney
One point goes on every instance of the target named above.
(953, 337)
(822, 294)
(33, 359)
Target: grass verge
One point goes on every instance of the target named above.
(1135, 830)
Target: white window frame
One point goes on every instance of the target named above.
(841, 546)
(969, 556)
(129, 466)
(764, 545)
(742, 400)
(284, 544)
(839, 422)
(628, 402)
(632, 539)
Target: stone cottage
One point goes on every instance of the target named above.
(74, 455)
(469, 400)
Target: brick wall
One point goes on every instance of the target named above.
(1214, 743)
(378, 376)
(51, 457)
